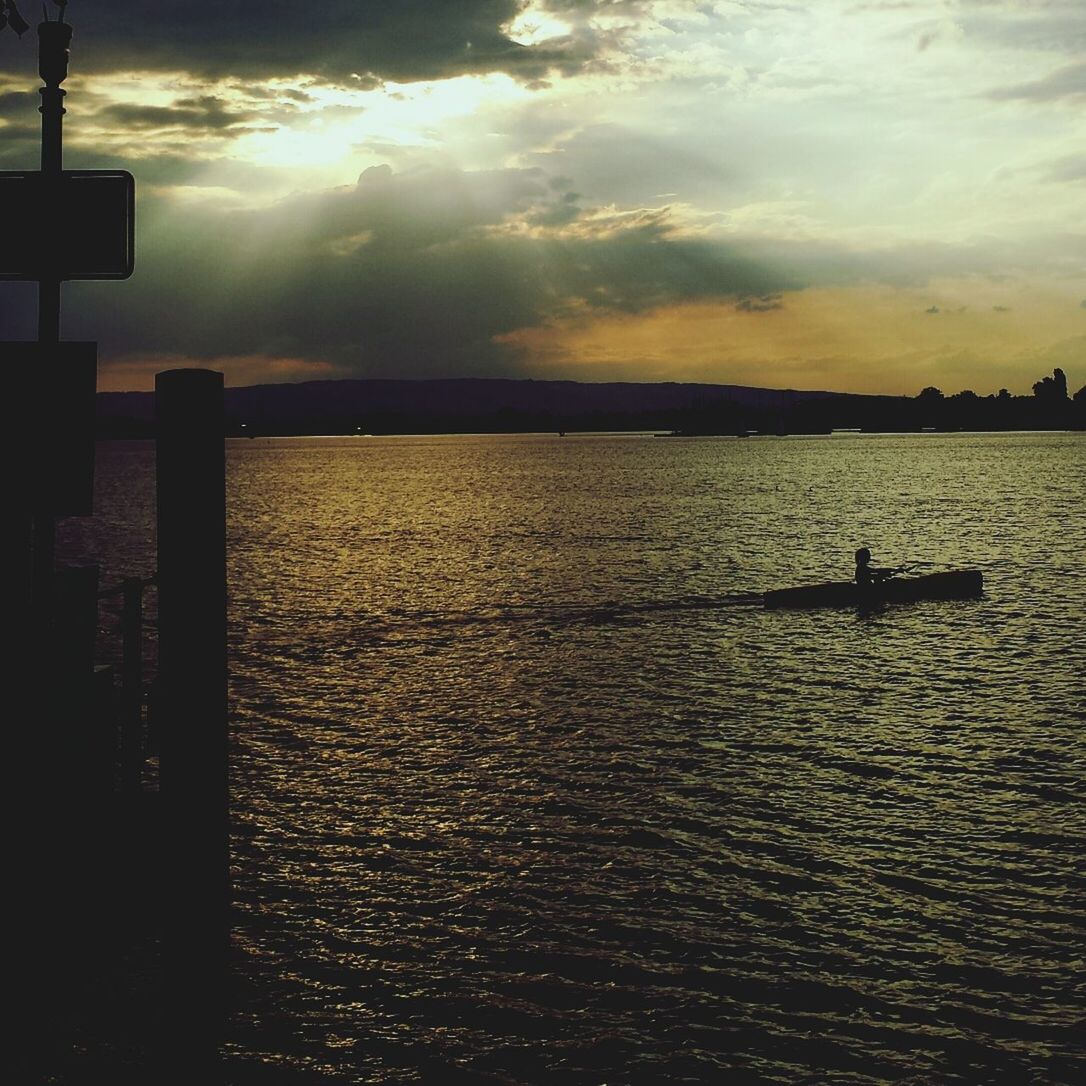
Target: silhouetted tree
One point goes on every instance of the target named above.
(1052, 389)
(1080, 396)
(930, 395)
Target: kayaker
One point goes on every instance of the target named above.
(867, 574)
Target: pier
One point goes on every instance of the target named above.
(118, 796)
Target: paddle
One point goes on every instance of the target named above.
(910, 567)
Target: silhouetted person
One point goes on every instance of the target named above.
(867, 574)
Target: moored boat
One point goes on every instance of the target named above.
(958, 584)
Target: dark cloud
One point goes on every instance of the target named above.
(18, 104)
(932, 310)
(416, 275)
(20, 129)
(428, 273)
(1001, 308)
(203, 114)
(336, 40)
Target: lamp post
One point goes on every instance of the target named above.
(54, 40)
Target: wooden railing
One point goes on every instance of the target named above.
(132, 710)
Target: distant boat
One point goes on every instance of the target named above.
(956, 585)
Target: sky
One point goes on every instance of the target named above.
(835, 194)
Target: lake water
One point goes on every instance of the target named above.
(527, 791)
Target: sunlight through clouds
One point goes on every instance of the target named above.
(628, 158)
(534, 25)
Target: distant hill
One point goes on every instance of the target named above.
(481, 405)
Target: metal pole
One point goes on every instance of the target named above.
(53, 42)
(192, 704)
(52, 157)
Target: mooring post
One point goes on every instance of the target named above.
(192, 705)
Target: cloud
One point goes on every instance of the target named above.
(1048, 26)
(1064, 84)
(736, 156)
(1069, 168)
(434, 273)
(415, 274)
(763, 304)
(206, 113)
(933, 309)
(16, 103)
(342, 41)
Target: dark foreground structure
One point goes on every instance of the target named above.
(118, 786)
(956, 585)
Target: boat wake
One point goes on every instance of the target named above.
(610, 611)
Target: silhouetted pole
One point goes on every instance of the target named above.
(53, 42)
(193, 707)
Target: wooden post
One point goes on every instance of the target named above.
(193, 711)
(71, 660)
(132, 685)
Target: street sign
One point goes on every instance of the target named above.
(79, 224)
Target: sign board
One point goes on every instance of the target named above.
(48, 431)
(79, 224)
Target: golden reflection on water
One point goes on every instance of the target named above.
(523, 789)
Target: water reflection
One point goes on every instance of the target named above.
(518, 801)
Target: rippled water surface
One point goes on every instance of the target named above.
(526, 791)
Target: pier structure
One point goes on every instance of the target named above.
(119, 782)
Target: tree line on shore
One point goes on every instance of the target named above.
(481, 405)
(1049, 408)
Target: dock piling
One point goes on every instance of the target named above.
(191, 701)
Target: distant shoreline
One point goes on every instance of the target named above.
(505, 406)
(834, 434)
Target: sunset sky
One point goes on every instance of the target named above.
(860, 196)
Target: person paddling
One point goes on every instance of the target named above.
(867, 574)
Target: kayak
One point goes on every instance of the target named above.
(960, 584)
